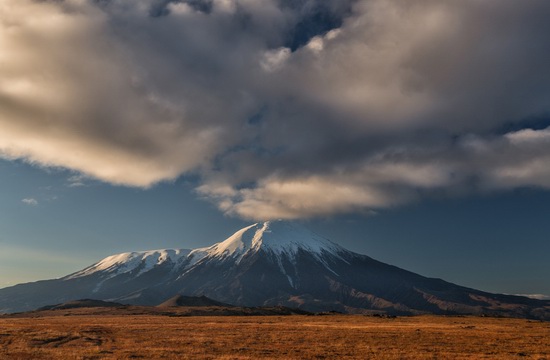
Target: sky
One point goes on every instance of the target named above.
(415, 132)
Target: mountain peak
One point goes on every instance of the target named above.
(274, 236)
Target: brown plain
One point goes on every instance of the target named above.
(272, 337)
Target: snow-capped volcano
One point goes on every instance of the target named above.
(270, 263)
(279, 238)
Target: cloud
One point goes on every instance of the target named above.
(76, 181)
(535, 296)
(30, 201)
(274, 59)
(282, 109)
(391, 177)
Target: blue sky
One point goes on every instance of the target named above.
(416, 132)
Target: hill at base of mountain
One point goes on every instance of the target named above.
(180, 300)
(83, 303)
(275, 263)
(176, 306)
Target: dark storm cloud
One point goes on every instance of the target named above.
(283, 109)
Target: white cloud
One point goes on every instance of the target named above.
(73, 96)
(535, 296)
(529, 137)
(393, 101)
(273, 60)
(30, 201)
(76, 181)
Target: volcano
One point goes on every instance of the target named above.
(274, 263)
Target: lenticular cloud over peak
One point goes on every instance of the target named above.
(284, 109)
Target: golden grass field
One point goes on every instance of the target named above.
(272, 337)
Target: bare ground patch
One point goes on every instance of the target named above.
(273, 337)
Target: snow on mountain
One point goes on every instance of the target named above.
(130, 261)
(282, 240)
(278, 237)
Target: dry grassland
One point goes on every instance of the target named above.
(272, 337)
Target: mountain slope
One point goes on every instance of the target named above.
(269, 264)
